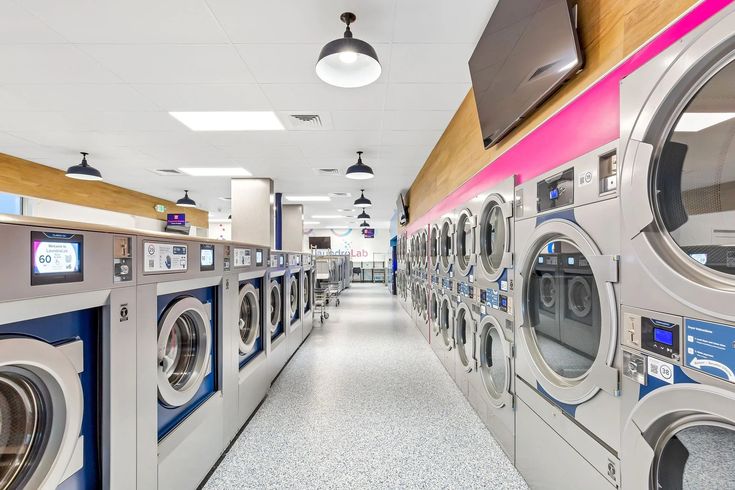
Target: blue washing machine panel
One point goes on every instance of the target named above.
(170, 417)
(258, 347)
(81, 325)
(710, 348)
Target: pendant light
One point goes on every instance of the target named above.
(364, 224)
(363, 215)
(186, 201)
(83, 171)
(359, 171)
(362, 201)
(348, 62)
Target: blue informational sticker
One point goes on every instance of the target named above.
(492, 298)
(710, 347)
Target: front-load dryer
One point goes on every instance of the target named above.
(492, 391)
(466, 319)
(465, 241)
(294, 301)
(249, 368)
(309, 281)
(182, 300)
(277, 344)
(67, 335)
(446, 246)
(678, 241)
(567, 356)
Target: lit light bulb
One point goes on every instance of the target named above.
(348, 57)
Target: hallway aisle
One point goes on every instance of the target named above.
(365, 404)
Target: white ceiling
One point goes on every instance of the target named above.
(101, 75)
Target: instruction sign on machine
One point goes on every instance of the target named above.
(710, 347)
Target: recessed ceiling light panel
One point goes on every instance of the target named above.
(215, 171)
(230, 120)
(308, 198)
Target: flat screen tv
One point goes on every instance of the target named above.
(527, 51)
(402, 210)
(320, 242)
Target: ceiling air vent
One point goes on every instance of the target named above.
(327, 171)
(340, 194)
(306, 121)
(167, 171)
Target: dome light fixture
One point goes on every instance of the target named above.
(364, 224)
(362, 201)
(186, 201)
(348, 62)
(363, 215)
(83, 171)
(359, 171)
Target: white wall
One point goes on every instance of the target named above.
(351, 242)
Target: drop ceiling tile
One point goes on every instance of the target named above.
(411, 138)
(79, 97)
(17, 26)
(246, 139)
(436, 21)
(304, 21)
(9, 141)
(307, 97)
(295, 63)
(119, 121)
(357, 120)
(175, 64)
(205, 96)
(418, 96)
(417, 120)
(31, 121)
(50, 63)
(129, 21)
(418, 63)
(336, 142)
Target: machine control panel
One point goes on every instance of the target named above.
(435, 280)
(496, 300)
(555, 191)
(56, 258)
(464, 289)
(122, 259)
(652, 332)
(447, 284)
(259, 257)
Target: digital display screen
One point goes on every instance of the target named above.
(280, 260)
(176, 219)
(206, 261)
(258, 257)
(554, 194)
(663, 336)
(56, 258)
(368, 232)
(570, 260)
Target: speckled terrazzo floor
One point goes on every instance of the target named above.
(365, 404)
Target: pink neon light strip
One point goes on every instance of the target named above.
(559, 139)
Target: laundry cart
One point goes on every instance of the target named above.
(324, 273)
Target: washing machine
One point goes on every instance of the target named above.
(309, 282)
(67, 333)
(247, 376)
(183, 306)
(492, 389)
(294, 301)
(678, 268)
(568, 373)
(277, 343)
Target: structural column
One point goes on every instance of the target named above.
(253, 211)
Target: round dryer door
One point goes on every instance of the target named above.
(293, 296)
(465, 328)
(494, 234)
(465, 241)
(274, 293)
(681, 436)
(184, 348)
(445, 322)
(678, 185)
(249, 320)
(495, 361)
(41, 409)
(434, 309)
(434, 239)
(446, 245)
(570, 317)
(307, 290)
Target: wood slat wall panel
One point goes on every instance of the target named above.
(609, 31)
(26, 178)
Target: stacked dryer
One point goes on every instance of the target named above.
(307, 290)
(67, 338)
(678, 309)
(183, 305)
(442, 340)
(492, 384)
(567, 235)
(422, 285)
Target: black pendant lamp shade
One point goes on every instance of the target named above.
(362, 201)
(359, 171)
(363, 215)
(186, 201)
(348, 62)
(83, 171)
(364, 224)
